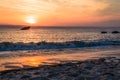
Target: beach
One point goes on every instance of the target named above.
(94, 65)
(95, 69)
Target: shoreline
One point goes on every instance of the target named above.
(107, 68)
(16, 60)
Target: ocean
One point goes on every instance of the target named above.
(56, 38)
(16, 43)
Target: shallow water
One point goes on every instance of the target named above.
(36, 58)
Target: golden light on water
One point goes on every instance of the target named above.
(35, 61)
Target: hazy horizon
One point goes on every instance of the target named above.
(38, 26)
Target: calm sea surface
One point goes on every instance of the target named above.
(57, 35)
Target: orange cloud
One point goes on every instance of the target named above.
(55, 12)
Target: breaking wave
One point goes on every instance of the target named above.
(9, 46)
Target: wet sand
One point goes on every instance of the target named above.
(12, 63)
(95, 69)
(90, 65)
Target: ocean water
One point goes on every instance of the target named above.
(19, 48)
(12, 39)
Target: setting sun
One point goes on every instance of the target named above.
(31, 20)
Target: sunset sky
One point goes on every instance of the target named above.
(60, 12)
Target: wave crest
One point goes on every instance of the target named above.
(9, 46)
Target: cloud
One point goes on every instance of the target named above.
(113, 8)
(26, 7)
(63, 11)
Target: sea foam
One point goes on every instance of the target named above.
(9, 46)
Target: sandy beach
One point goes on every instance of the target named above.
(94, 65)
(95, 69)
(27, 59)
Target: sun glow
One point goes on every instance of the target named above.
(31, 20)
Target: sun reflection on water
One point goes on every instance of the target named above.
(33, 61)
